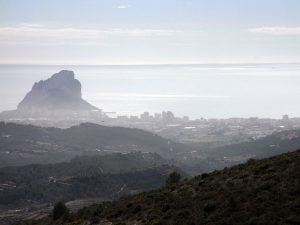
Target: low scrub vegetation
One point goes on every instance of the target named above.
(257, 192)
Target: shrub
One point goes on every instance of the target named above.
(204, 175)
(173, 178)
(60, 210)
(137, 209)
(209, 207)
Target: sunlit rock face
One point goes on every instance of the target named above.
(60, 92)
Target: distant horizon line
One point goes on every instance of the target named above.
(156, 64)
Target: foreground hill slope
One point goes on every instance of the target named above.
(257, 192)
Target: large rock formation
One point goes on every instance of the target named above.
(60, 92)
(60, 95)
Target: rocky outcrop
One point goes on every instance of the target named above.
(60, 92)
(60, 95)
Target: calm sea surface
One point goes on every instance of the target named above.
(194, 90)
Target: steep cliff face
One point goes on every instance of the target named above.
(61, 92)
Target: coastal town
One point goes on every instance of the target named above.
(202, 132)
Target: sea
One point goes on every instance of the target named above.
(197, 91)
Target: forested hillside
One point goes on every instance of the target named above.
(27, 144)
(257, 192)
(108, 177)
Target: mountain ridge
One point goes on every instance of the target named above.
(28, 144)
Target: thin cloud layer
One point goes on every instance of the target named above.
(39, 31)
(149, 32)
(123, 6)
(276, 30)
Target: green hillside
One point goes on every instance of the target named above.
(258, 192)
(27, 144)
(108, 177)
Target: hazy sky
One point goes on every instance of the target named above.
(152, 31)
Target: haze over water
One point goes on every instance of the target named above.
(209, 91)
